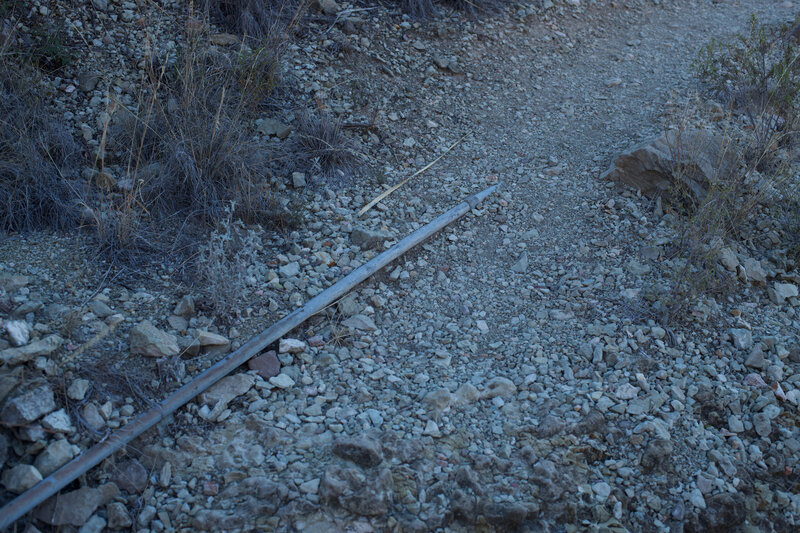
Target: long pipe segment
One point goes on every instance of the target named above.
(37, 494)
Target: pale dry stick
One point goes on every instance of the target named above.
(389, 191)
(50, 485)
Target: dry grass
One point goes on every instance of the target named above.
(39, 159)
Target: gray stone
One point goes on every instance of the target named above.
(754, 271)
(228, 388)
(117, 516)
(650, 167)
(742, 338)
(77, 389)
(360, 322)
(367, 239)
(270, 127)
(724, 512)
(57, 454)
(521, 265)
(92, 417)
(756, 358)
(184, 307)
(349, 306)
(28, 407)
(100, 309)
(466, 394)
(361, 450)
(291, 346)
(762, 424)
(148, 340)
(23, 354)
(780, 292)
(728, 259)
(356, 491)
(735, 424)
(20, 478)
(298, 180)
(131, 476)
(289, 270)
(100, 5)
(95, 524)
(18, 331)
(282, 381)
(75, 507)
(656, 455)
(499, 387)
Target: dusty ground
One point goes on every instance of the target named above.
(471, 391)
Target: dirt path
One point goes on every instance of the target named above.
(500, 395)
(499, 378)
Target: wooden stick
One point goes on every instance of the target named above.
(389, 191)
(37, 494)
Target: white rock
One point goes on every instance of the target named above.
(58, 421)
(282, 381)
(696, 499)
(432, 429)
(291, 346)
(780, 292)
(19, 332)
(499, 386)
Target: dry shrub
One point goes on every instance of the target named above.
(737, 196)
(39, 159)
(319, 146)
(224, 261)
(257, 19)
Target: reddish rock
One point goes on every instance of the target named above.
(267, 365)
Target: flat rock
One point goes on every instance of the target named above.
(131, 476)
(703, 156)
(742, 338)
(118, 516)
(28, 407)
(148, 340)
(23, 354)
(75, 507)
(780, 292)
(499, 387)
(184, 307)
(57, 454)
(20, 478)
(656, 455)
(228, 388)
(521, 266)
(360, 322)
(289, 270)
(291, 346)
(58, 421)
(77, 389)
(272, 127)
(282, 381)
(366, 238)
(266, 365)
(361, 450)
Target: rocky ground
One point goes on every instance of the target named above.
(506, 375)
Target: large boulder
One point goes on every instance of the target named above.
(690, 160)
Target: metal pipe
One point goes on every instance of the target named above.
(37, 494)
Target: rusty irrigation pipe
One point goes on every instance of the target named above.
(37, 494)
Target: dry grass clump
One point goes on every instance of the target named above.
(256, 19)
(39, 159)
(320, 147)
